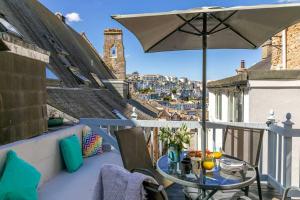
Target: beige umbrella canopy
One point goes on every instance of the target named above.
(244, 27)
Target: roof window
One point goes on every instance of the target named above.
(5, 26)
(97, 79)
(75, 71)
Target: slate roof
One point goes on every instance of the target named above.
(259, 71)
(144, 107)
(67, 47)
(69, 51)
(90, 103)
(262, 65)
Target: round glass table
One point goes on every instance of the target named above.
(212, 181)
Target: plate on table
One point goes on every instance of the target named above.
(232, 166)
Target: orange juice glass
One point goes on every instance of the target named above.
(208, 164)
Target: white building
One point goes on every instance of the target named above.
(249, 96)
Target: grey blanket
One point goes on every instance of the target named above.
(116, 183)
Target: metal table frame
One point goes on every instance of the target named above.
(212, 188)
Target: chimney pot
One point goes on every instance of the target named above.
(61, 17)
(242, 64)
(242, 68)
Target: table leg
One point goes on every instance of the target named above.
(247, 191)
(209, 195)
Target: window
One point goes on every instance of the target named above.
(113, 51)
(231, 108)
(50, 74)
(218, 106)
(236, 107)
(97, 79)
(239, 107)
(5, 26)
(75, 71)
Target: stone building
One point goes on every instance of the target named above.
(113, 52)
(285, 49)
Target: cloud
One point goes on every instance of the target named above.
(127, 55)
(73, 17)
(288, 1)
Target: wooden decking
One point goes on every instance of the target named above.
(175, 193)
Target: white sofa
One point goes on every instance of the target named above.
(57, 184)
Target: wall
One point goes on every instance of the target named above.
(281, 96)
(43, 152)
(293, 48)
(23, 112)
(276, 52)
(119, 86)
(246, 106)
(212, 106)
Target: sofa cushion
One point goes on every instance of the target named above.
(79, 185)
(91, 144)
(71, 153)
(19, 180)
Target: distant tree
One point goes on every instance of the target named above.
(167, 98)
(145, 91)
(174, 91)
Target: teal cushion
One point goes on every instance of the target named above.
(19, 180)
(71, 153)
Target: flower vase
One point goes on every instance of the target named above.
(173, 154)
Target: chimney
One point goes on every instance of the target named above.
(266, 49)
(113, 52)
(242, 68)
(61, 17)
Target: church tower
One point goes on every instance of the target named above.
(113, 54)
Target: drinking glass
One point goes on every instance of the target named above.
(196, 165)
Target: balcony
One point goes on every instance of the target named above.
(278, 161)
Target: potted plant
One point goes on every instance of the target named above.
(175, 141)
(55, 119)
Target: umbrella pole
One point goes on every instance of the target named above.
(204, 47)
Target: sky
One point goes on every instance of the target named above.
(93, 16)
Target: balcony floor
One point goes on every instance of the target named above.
(175, 193)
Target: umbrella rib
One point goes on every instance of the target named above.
(222, 22)
(171, 33)
(211, 33)
(189, 23)
(235, 31)
(189, 32)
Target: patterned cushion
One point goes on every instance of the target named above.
(91, 144)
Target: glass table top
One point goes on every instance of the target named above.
(217, 178)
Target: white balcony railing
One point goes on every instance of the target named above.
(280, 155)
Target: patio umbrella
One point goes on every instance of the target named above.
(243, 27)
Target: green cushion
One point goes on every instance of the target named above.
(71, 153)
(19, 180)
